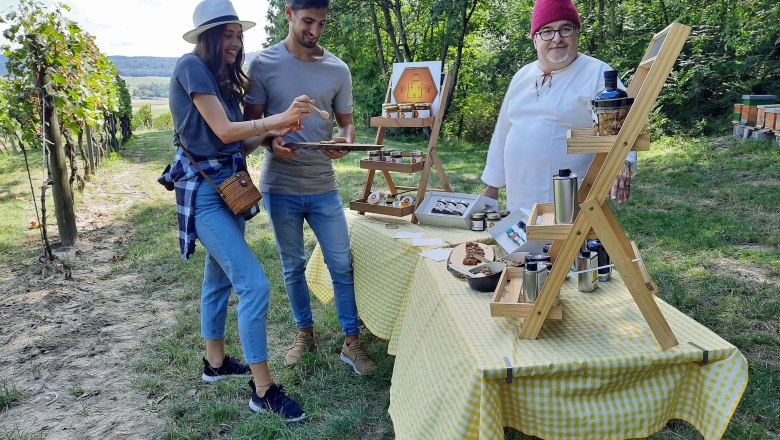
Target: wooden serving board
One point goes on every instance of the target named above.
(459, 253)
(336, 147)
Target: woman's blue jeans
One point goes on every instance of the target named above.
(325, 216)
(230, 263)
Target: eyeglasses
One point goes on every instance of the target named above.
(549, 34)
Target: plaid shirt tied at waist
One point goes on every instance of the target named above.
(185, 179)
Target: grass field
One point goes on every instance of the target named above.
(134, 81)
(705, 212)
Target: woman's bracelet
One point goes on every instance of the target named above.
(255, 127)
(262, 121)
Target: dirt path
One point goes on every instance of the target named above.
(70, 344)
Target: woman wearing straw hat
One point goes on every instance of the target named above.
(206, 95)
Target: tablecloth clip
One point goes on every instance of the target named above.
(705, 354)
(508, 370)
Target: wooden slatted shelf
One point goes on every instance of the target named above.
(541, 224)
(379, 121)
(362, 206)
(585, 141)
(391, 166)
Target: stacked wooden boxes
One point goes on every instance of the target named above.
(752, 116)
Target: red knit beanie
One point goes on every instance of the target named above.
(548, 11)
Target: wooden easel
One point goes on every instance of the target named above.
(595, 218)
(432, 160)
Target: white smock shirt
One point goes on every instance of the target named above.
(529, 143)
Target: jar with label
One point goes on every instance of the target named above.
(611, 106)
(438, 208)
(461, 207)
(406, 110)
(416, 156)
(422, 110)
(407, 201)
(374, 156)
(389, 156)
(504, 213)
(398, 157)
(478, 221)
(492, 219)
(390, 110)
(450, 208)
(374, 198)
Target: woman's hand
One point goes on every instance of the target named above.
(300, 108)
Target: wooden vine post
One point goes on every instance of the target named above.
(62, 190)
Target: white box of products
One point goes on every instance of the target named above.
(509, 233)
(427, 214)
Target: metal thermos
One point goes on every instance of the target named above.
(565, 196)
(534, 276)
(605, 273)
(587, 281)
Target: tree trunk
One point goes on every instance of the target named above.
(90, 148)
(464, 24)
(61, 190)
(391, 31)
(380, 52)
(402, 31)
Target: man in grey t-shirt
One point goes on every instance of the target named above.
(300, 185)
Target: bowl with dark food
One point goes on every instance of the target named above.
(485, 276)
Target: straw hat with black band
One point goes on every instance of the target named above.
(212, 13)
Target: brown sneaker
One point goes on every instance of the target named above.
(356, 356)
(303, 342)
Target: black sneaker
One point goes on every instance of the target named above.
(277, 402)
(229, 368)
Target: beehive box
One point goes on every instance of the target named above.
(737, 115)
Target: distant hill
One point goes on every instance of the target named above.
(144, 66)
(134, 66)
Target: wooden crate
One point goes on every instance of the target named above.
(509, 300)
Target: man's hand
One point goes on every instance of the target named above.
(337, 154)
(621, 189)
(280, 151)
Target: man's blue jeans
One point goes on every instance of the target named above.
(325, 216)
(230, 263)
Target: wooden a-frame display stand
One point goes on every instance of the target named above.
(595, 218)
(431, 160)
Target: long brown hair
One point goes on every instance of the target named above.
(231, 77)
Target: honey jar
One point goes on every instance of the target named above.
(492, 218)
(416, 156)
(478, 221)
(389, 155)
(374, 156)
(390, 110)
(398, 157)
(406, 110)
(422, 110)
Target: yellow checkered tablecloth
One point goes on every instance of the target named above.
(383, 266)
(598, 374)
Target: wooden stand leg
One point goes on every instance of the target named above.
(616, 244)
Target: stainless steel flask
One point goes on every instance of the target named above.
(534, 276)
(565, 197)
(587, 281)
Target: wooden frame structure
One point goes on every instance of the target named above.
(595, 218)
(432, 160)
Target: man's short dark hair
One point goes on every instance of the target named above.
(307, 4)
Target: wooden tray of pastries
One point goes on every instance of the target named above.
(467, 256)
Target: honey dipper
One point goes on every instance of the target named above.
(323, 113)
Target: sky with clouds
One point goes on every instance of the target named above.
(148, 27)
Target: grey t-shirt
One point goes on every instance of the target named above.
(276, 79)
(192, 76)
